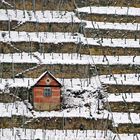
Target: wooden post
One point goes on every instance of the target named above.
(9, 26)
(33, 1)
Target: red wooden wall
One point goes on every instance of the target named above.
(42, 102)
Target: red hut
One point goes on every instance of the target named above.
(46, 93)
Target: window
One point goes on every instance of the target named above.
(47, 91)
(48, 81)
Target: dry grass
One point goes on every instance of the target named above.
(67, 48)
(69, 4)
(123, 88)
(55, 123)
(40, 27)
(105, 33)
(115, 51)
(40, 5)
(110, 18)
(60, 71)
(132, 3)
(124, 107)
(117, 69)
(128, 128)
(66, 71)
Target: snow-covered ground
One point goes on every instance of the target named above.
(61, 37)
(22, 133)
(112, 26)
(65, 58)
(127, 97)
(121, 117)
(110, 10)
(20, 109)
(122, 43)
(34, 134)
(42, 37)
(75, 106)
(16, 108)
(78, 109)
(77, 84)
(23, 16)
(121, 79)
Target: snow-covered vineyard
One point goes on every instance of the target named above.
(84, 56)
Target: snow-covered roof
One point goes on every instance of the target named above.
(44, 74)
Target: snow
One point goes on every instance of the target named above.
(75, 105)
(76, 84)
(129, 136)
(16, 108)
(41, 37)
(6, 3)
(22, 133)
(16, 82)
(110, 10)
(20, 109)
(77, 108)
(64, 58)
(122, 118)
(60, 37)
(121, 79)
(121, 97)
(23, 16)
(112, 26)
(33, 134)
(122, 43)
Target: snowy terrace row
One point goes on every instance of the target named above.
(39, 16)
(58, 37)
(22, 133)
(60, 17)
(63, 16)
(110, 10)
(33, 134)
(121, 79)
(127, 97)
(65, 58)
(76, 84)
(112, 26)
(20, 109)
